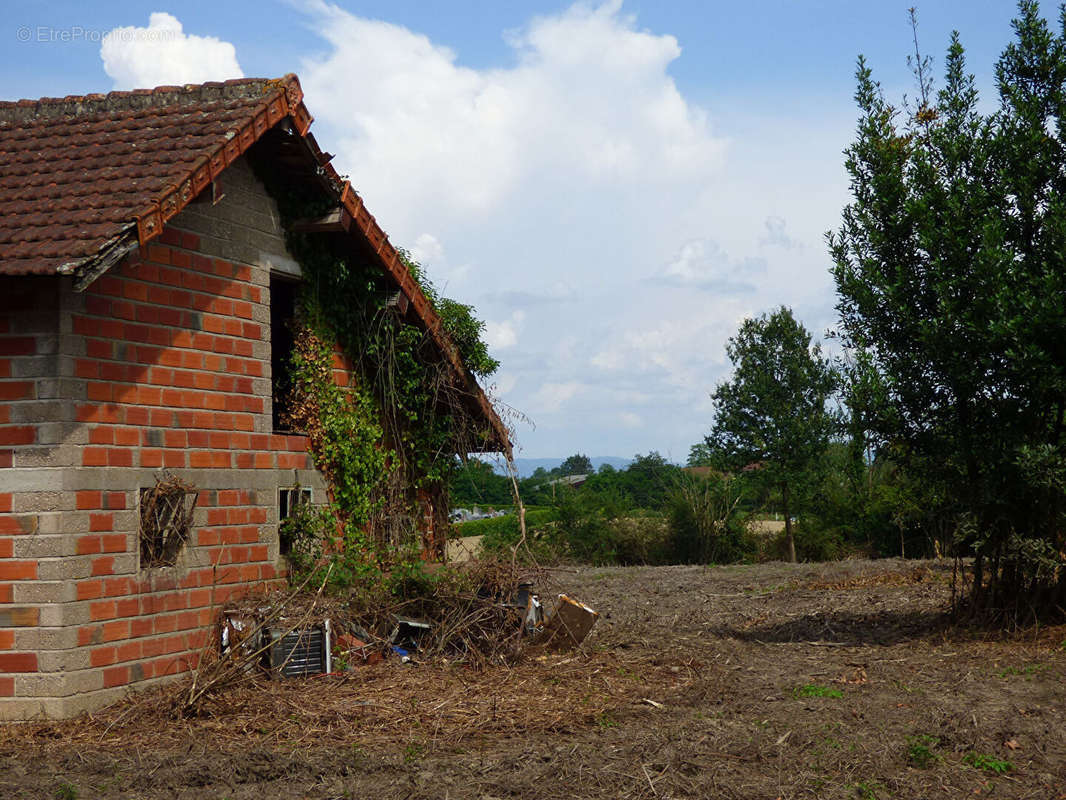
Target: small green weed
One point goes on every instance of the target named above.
(412, 752)
(66, 791)
(996, 766)
(604, 720)
(1028, 669)
(815, 690)
(920, 750)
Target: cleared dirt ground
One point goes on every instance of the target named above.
(692, 685)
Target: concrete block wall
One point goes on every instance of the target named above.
(161, 364)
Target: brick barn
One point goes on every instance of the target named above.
(144, 289)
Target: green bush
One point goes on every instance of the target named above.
(705, 523)
(642, 538)
(501, 533)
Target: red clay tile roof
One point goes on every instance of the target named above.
(78, 173)
(85, 179)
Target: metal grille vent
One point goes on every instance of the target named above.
(300, 652)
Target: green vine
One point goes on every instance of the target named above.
(394, 433)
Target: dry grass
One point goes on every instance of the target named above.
(691, 685)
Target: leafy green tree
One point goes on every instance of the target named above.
(648, 480)
(949, 266)
(772, 418)
(700, 455)
(577, 464)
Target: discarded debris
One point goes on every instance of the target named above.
(568, 625)
(477, 615)
(303, 651)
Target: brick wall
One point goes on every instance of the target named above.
(164, 362)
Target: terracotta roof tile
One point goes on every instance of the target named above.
(77, 172)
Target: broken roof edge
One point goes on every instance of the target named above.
(365, 224)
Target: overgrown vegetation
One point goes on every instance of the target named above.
(386, 440)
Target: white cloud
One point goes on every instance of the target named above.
(162, 53)
(427, 250)
(503, 335)
(435, 132)
(702, 263)
(775, 235)
(551, 397)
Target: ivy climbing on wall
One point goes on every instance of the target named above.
(389, 439)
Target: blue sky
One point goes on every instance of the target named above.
(614, 186)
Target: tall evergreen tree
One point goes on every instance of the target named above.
(950, 266)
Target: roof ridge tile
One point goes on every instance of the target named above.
(193, 94)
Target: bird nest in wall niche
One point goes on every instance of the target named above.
(166, 519)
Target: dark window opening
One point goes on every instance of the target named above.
(166, 520)
(282, 313)
(290, 502)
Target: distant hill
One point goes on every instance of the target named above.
(527, 466)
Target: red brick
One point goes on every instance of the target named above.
(113, 543)
(87, 590)
(102, 656)
(113, 631)
(103, 610)
(136, 415)
(18, 570)
(101, 522)
(130, 651)
(5, 503)
(96, 348)
(18, 662)
(17, 524)
(7, 639)
(7, 548)
(18, 346)
(128, 607)
(102, 434)
(86, 500)
(141, 626)
(116, 676)
(89, 545)
(117, 457)
(103, 566)
(16, 435)
(16, 390)
(94, 457)
(7, 687)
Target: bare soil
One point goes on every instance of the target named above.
(696, 683)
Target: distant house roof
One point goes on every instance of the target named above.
(85, 180)
(568, 480)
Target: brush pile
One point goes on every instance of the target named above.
(477, 614)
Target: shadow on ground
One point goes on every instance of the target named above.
(849, 629)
